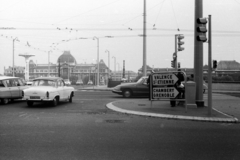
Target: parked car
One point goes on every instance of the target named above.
(139, 88)
(48, 89)
(67, 82)
(11, 88)
(29, 82)
(90, 82)
(79, 82)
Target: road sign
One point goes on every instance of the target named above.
(164, 79)
(164, 92)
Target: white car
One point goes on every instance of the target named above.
(29, 82)
(48, 89)
(67, 82)
(11, 88)
(79, 82)
(90, 82)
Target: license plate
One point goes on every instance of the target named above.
(34, 97)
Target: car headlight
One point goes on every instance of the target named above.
(117, 88)
(47, 94)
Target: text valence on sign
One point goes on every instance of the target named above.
(164, 79)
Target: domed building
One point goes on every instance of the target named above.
(68, 68)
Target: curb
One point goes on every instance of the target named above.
(177, 117)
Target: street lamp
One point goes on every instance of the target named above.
(114, 64)
(15, 39)
(118, 66)
(49, 63)
(108, 62)
(97, 59)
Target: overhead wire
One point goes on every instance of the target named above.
(175, 16)
(86, 12)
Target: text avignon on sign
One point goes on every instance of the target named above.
(164, 79)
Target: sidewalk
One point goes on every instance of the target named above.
(162, 109)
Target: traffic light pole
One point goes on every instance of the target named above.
(209, 66)
(176, 50)
(198, 56)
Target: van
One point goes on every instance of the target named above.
(11, 88)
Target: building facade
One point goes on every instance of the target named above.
(65, 67)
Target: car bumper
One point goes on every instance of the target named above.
(117, 92)
(41, 99)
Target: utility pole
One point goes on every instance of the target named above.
(108, 63)
(144, 40)
(209, 65)
(49, 63)
(198, 56)
(13, 67)
(59, 67)
(123, 68)
(97, 59)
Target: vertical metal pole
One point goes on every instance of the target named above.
(209, 66)
(98, 62)
(144, 40)
(123, 68)
(48, 64)
(13, 69)
(198, 56)
(176, 61)
(59, 67)
(108, 64)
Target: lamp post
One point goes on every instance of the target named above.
(97, 59)
(118, 66)
(114, 64)
(49, 63)
(15, 39)
(108, 62)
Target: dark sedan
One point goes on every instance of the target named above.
(139, 88)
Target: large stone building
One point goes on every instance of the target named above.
(65, 67)
(68, 68)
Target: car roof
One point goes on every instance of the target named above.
(7, 77)
(48, 78)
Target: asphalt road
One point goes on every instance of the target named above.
(86, 129)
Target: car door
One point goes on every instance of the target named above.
(142, 89)
(14, 89)
(21, 86)
(4, 90)
(60, 89)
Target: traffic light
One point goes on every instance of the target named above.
(202, 29)
(214, 64)
(179, 65)
(173, 63)
(180, 43)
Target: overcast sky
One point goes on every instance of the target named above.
(58, 25)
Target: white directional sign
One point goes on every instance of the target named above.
(164, 92)
(164, 79)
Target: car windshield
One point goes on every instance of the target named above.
(44, 83)
(142, 80)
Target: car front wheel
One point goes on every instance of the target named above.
(70, 98)
(5, 100)
(127, 93)
(29, 103)
(55, 101)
